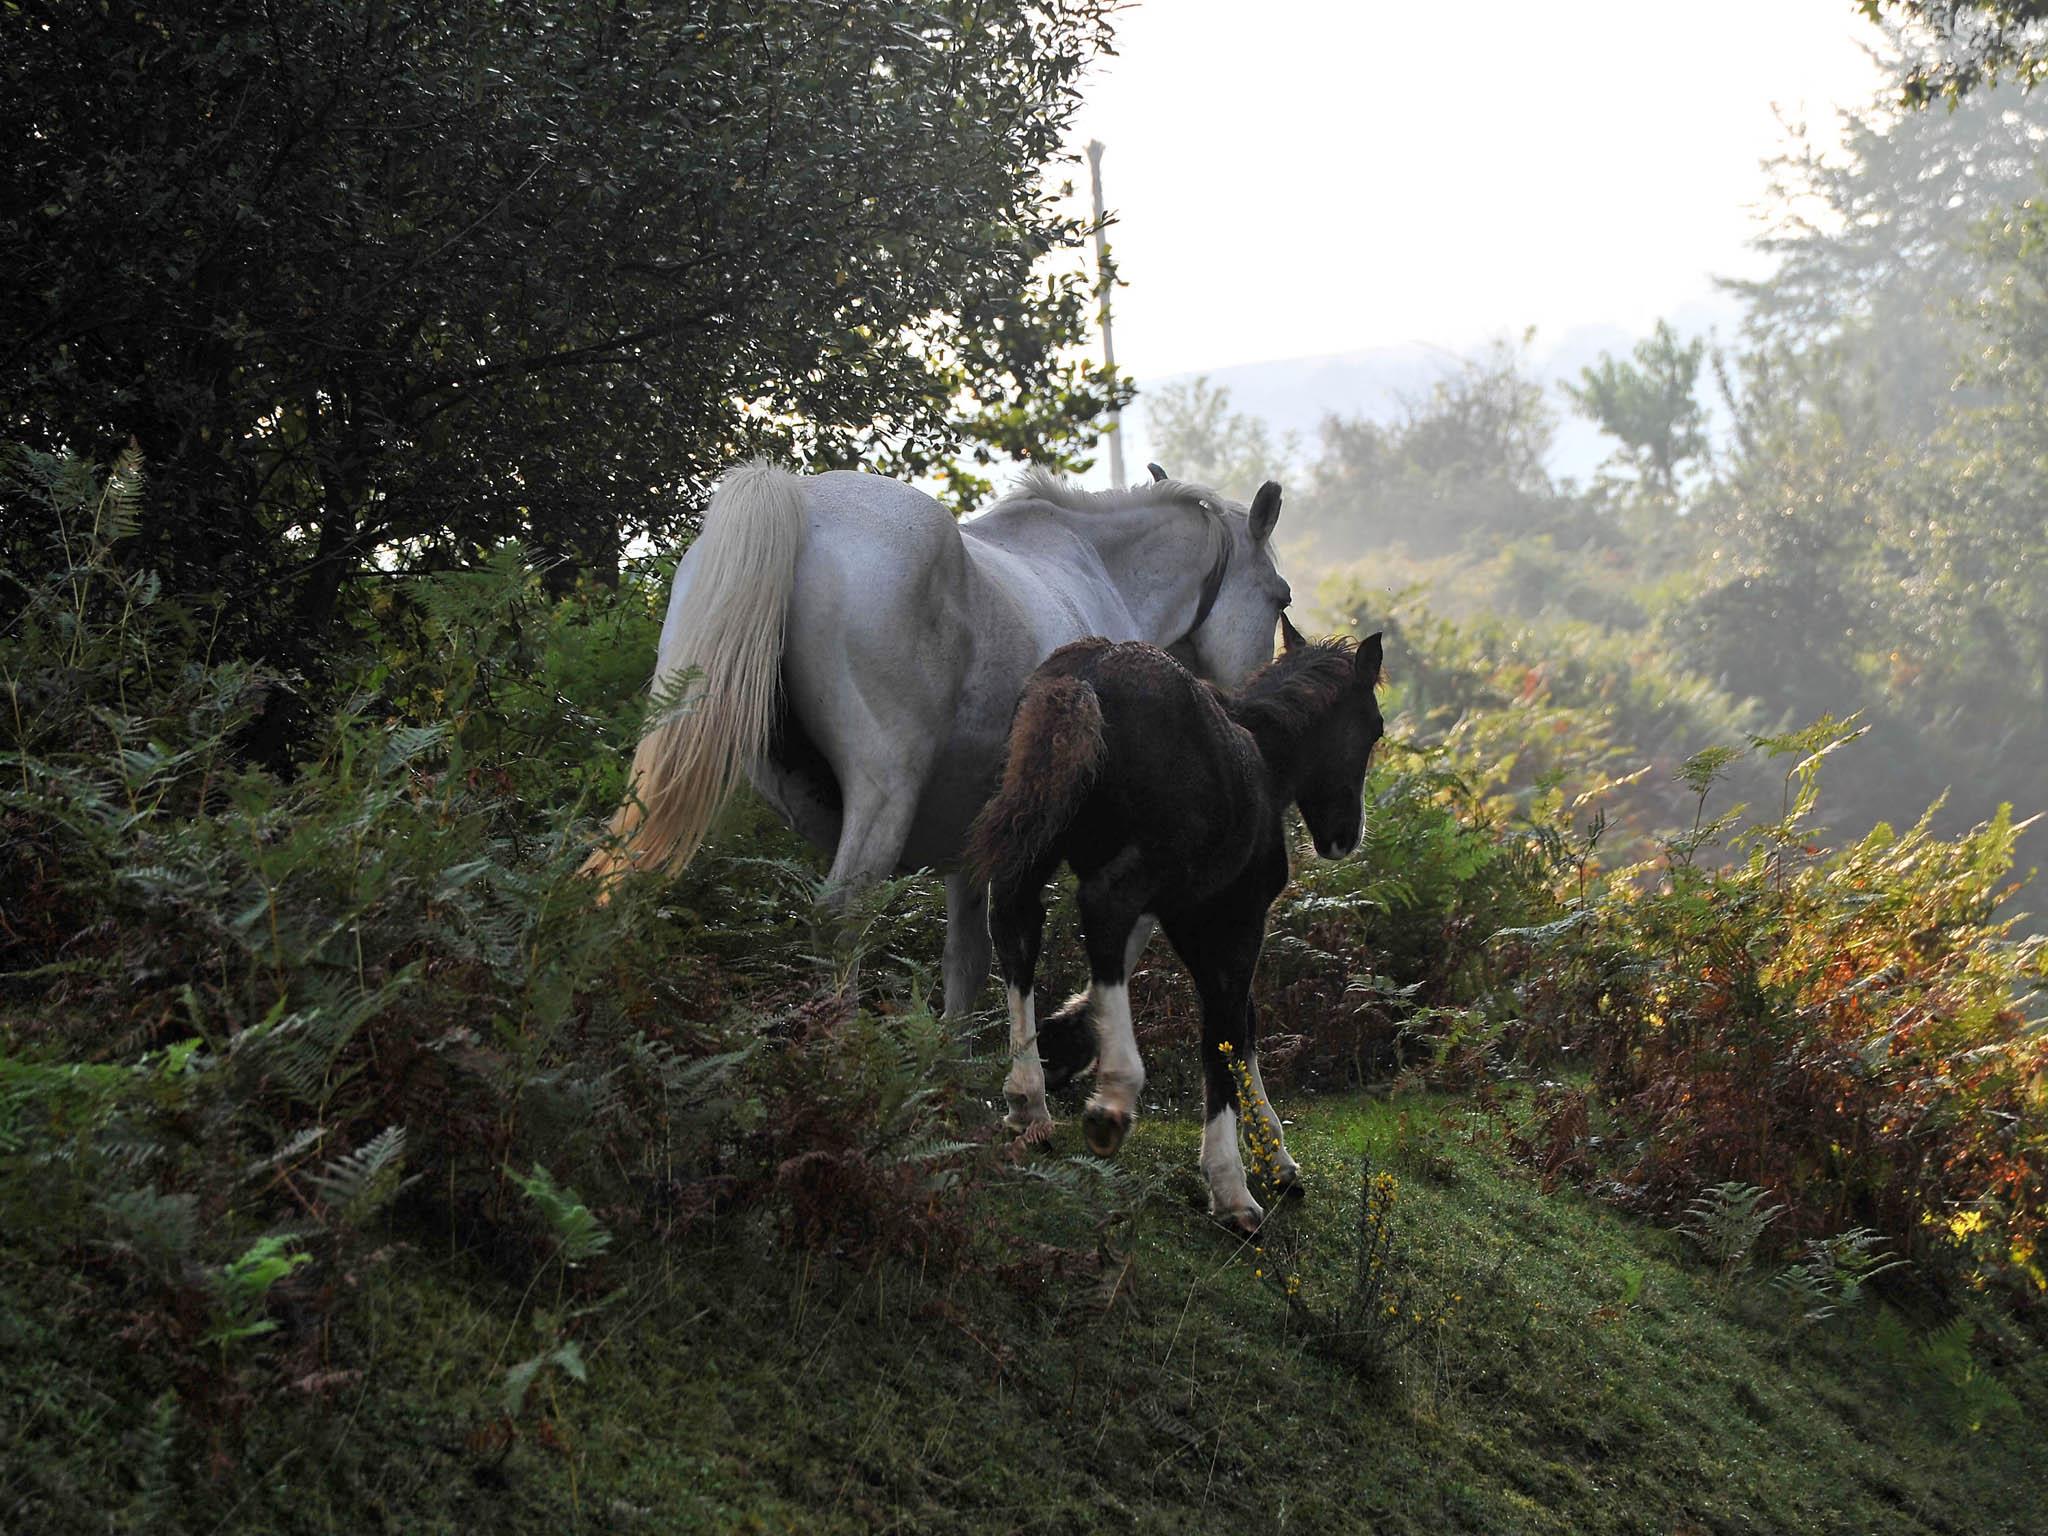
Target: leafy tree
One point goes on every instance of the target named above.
(1871, 539)
(1976, 43)
(1988, 557)
(1464, 461)
(1876, 244)
(1194, 435)
(1648, 406)
(378, 284)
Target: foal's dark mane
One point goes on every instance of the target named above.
(1294, 690)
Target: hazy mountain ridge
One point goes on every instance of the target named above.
(1293, 395)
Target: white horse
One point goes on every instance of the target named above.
(860, 654)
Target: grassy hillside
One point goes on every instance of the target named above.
(1119, 1365)
(359, 1172)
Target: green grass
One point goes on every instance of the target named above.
(734, 1385)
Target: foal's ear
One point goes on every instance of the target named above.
(1290, 637)
(1365, 664)
(1265, 511)
(1157, 472)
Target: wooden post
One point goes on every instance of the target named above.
(1116, 423)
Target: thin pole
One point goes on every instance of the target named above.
(1116, 420)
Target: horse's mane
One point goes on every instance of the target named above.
(1041, 484)
(1293, 689)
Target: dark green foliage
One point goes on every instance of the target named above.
(727, 1384)
(250, 1021)
(376, 284)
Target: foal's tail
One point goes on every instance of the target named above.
(1055, 752)
(729, 634)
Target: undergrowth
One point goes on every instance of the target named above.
(267, 1037)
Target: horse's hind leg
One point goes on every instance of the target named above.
(1110, 913)
(1017, 927)
(1066, 1039)
(967, 943)
(875, 720)
(872, 831)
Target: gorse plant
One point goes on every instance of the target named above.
(1380, 1312)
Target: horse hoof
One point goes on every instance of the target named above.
(1245, 1221)
(1104, 1129)
(1027, 1116)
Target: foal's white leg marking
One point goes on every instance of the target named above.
(1119, 1074)
(1024, 1088)
(1141, 935)
(1229, 1195)
(1096, 996)
(1285, 1170)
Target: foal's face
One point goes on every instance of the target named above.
(1331, 794)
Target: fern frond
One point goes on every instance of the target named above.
(356, 1185)
(120, 509)
(162, 1230)
(577, 1233)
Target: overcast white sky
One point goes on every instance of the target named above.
(1298, 177)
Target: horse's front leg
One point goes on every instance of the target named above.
(1261, 1119)
(1221, 950)
(1230, 1194)
(967, 943)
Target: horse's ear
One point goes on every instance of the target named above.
(1157, 472)
(1365, 665)
(1265, 511)
(1290, 637)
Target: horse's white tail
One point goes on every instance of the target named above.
(730, 630)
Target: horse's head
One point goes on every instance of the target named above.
(1233, 635)
(1330, 787)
